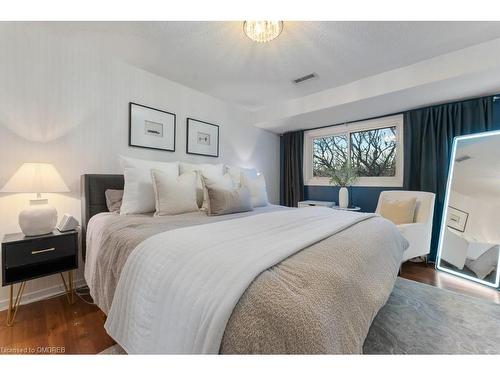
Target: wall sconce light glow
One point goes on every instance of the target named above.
(262, 31)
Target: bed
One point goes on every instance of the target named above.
(276, 280)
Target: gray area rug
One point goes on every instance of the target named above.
(422, 319)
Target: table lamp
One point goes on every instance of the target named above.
(39, 218)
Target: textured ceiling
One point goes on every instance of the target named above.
(216, 58)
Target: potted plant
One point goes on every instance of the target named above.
(345, 176)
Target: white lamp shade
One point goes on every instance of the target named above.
(35, 178)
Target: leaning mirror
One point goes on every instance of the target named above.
(470, 231)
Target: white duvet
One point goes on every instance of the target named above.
(178, 288)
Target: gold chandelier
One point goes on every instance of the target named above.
(262, 31)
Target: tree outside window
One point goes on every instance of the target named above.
(329, 153)
(371, 152)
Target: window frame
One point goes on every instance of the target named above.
(347, 129)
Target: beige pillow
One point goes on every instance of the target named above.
(213, 171)
(398, 211)
(113, 199)
(174, 195)
(228, 201)
(138, 194)
(223, 182)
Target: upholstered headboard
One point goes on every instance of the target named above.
(93, 198)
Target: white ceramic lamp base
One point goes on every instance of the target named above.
(38, 219)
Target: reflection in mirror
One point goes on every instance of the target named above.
(470, 231)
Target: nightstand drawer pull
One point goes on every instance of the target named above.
(42, 251)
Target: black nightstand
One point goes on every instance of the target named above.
(26, 258)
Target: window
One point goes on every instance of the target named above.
(374, 148)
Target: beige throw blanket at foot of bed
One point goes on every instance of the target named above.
(179, 288)
(321, 300)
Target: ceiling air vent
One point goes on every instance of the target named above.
(305, 78)
(462, 158)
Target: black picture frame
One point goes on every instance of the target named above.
(131, 104)
(462, 228)
(187, 137)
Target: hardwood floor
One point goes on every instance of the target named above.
(55, 325)
(427, 274)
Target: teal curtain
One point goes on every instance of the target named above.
(428, 140)
(292, 180)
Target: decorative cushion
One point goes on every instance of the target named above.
(228, 201)
(174, 195)
(113, 199)
(138, 195)
(171, 168)
(212, 171)
(398, 211)
(223, 182)
(257, 187)
(237, 172)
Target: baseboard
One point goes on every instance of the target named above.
(41, 294)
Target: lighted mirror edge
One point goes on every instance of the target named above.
(445, 213)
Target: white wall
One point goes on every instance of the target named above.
(67, 104)
(483, 219)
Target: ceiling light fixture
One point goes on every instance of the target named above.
(262, 31)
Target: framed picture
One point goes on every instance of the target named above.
(151, 128)
(202, 138)
(456, 219)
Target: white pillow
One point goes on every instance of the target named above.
(237, 172)
(257, 187)
(223, 182)
(138, 194)
(174, 195)
(212, 171)
(171, 168)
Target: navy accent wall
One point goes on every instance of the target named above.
(365, 197)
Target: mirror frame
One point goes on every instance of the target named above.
(445, 212)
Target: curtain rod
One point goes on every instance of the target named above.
(345, 123)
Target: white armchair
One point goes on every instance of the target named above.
(419, 232)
